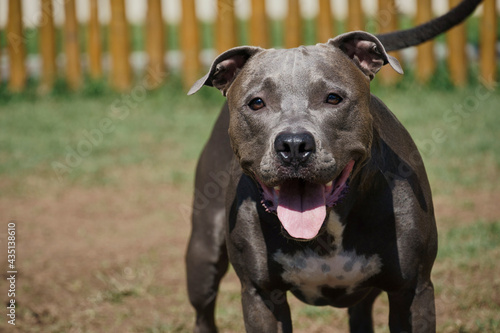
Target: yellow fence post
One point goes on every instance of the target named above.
(324, 30)
(16, 47)
(73, 65)
(388, 21)
(457, 57)
(94, 44)
(47, 47)
(259, 33)
(426, 61)
(190, 44)
(293, 25)
(225, 26)
(355, 16)
(121, 73)
(488, 41)
(155, 42)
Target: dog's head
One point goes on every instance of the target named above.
(300, 122)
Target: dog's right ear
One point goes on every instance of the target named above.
(225, 68)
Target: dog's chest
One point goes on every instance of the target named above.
(312, 272)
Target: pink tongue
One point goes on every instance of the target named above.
(301, 208)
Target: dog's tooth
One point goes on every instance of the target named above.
(330, 183)
(277, 188)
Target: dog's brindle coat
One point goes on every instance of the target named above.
(322, 191)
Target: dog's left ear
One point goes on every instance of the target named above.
(366, 51)
(225, 68)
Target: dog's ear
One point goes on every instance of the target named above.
(366, 51)
(225, 68)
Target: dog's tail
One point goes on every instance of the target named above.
(405, 38)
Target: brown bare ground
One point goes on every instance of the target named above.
(111, 259)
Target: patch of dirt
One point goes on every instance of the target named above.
(112, 258)
(86, 255)
(466, 206)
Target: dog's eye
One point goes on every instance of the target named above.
(333, 99)
(256, 104)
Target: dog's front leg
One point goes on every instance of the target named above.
(413, 310)
(265, 311)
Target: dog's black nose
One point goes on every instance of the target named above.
(294, 148)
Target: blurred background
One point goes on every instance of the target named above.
(74, 41)
(99, 142)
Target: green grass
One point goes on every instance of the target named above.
(460, 145)
(163, 128)
(455, 131)
(466, 278)
(463, 244)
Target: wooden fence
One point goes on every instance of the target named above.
(120, 73)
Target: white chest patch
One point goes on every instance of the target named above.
(308, 271)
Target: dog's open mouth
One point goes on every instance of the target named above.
(301, 205)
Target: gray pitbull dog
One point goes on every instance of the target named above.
(316, 189)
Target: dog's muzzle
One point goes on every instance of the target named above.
(302, 205)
